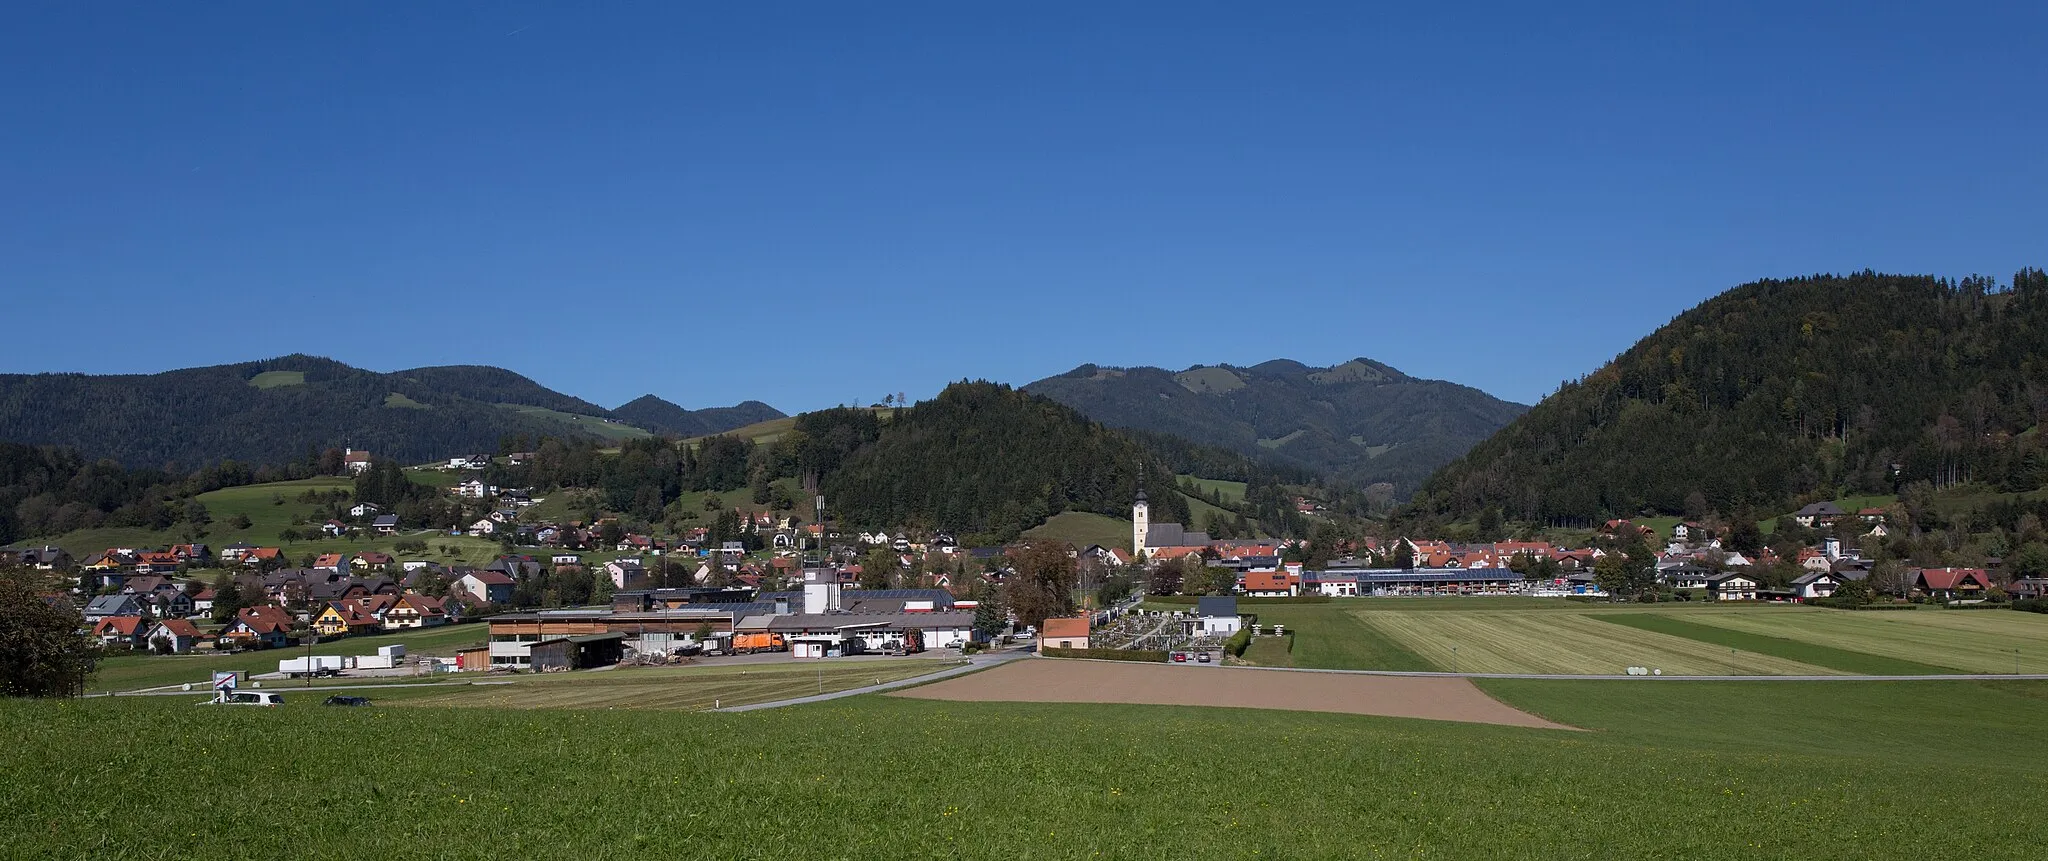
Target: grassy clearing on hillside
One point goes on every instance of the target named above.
(1975, 641)
(278, 379)
(1082, 528)
(773, 429)
(1566, 643)
(398, 401)
(1697, 771)
(676, 687)
(614, 431)
(1860, 663)
(135, 672)
(1231, 492)
(271, 508)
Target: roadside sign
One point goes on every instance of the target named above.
(225, 681)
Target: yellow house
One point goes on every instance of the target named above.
(344, 617)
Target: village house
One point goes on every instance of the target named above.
(413, 610)
(1216, 615)
(121, 631)
(342, 618)
(489, 587)
(1818, 514)
(178, 635)
(1951, 584)
(1062, 633)
(1271, 583)
(105, 606)
(1732, 586)
(385, 524)
(364, 509)
(261, 627)
(358, 462)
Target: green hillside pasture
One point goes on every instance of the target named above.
(613, 431)
(1850, 504)
(1975, 641)
(1082, 528)
(1708, 771)
(136, 672)
(1564, 643)
(1199, 512)
(398, 401)
(675, 687)
(771, 430)
(266, 518)
(1230, 491)
(1859, 663)
(438, 478)
(278, 379)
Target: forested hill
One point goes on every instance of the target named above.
(986, 459)
(663, 417)
(1361, 421)
(1777, 390)
(274, 411)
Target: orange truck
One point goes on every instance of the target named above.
(749, 642)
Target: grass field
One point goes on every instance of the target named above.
(1975, 641)
(1269, 652)
(1571, 643)
(1082, 528)
(1229, 491)
(1545, 635)
(1696, 771)
(675, 687)
(1859, 663)
(278, 379)
(271, 508)
(613, 431)
(134, 672)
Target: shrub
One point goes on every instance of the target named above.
(1238, 642)
(1144, 656)
(2030, 605)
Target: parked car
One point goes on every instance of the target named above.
(339, 700)
(1202, 657)
(247, 698)
(1180, 657)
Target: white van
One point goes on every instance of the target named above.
(247, 698)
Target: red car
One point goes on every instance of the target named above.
(1180, 657)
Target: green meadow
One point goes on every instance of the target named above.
(1723, 770)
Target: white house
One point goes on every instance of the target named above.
(364, 509)
(1217, 615)
(1732, 586)
(1337, 585)
(486, 526)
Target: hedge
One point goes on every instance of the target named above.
(1143, 655)
(1190, 600)
(1853, 604)
(2030, 605)
(1238, 642)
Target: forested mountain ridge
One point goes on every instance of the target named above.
(274, 411)
(663, 417)
(1780, 390)
(1362, 421)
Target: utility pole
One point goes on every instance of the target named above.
(311, 638)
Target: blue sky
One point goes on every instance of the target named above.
(814, 204)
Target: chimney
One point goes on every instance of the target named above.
(782, 606)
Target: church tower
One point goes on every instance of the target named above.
(1141, 523)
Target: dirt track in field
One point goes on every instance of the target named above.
(1051, 680)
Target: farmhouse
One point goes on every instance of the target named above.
(1951, 584)
(180, 635)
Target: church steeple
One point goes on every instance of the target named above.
(1141, 521)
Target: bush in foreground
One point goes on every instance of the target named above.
(1141, 655)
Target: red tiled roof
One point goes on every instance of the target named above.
(1061, 627)
(1266, 581)
(180, 628)
(1950, 578)
(126, 626)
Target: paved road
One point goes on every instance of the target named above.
(976, 662)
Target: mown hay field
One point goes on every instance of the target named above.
(1737, 770)
(1567, 643)
(1974, 641)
